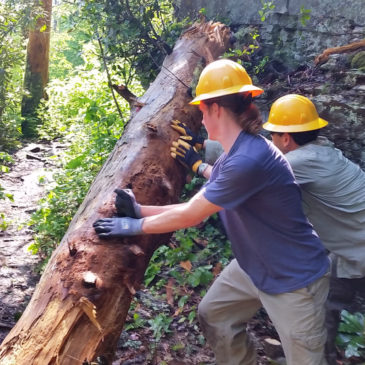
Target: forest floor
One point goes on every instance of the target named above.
(18, 276)
(183, 343)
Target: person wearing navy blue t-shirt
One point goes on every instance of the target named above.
(280, 263)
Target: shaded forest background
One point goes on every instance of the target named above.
(70, 94)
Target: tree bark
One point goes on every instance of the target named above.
(36, 71)
(78, 309)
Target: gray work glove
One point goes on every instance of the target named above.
(126, 204)
(118, 227)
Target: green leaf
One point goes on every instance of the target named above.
(76, 162)
(191, 316)
(9, 196)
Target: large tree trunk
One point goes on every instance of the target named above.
(36, 71)
(80, 304)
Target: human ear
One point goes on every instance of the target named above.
(216, 108)
(286, 139)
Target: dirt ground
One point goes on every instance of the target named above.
(183, 343)
(17, 275)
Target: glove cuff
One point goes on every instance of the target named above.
(138, 226)
(131, 226)
(202, 167)
(137, 210)
(196, 165)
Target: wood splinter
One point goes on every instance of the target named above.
(136, 250)
(90, 310)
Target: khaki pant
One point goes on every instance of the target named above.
(297, 316)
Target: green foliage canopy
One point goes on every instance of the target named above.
(13, 19)
(141, 32)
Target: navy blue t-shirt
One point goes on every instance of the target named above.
(271, 238)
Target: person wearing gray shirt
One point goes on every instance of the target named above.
(333, 196)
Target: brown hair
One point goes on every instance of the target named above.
(240, 104)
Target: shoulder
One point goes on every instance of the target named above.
(307, 162)
(246, 155)
(303, 155)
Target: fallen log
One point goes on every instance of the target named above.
(78, 309)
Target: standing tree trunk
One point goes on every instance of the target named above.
(36, 71)
(79, 307)
(2, 92)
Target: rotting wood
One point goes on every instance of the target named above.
(80, 304)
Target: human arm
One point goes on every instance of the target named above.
(168, 219)
(181, 216)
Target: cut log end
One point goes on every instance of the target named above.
(273, 348)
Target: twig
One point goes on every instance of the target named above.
(108, 76)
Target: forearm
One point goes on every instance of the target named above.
(168, 221)
(207, 172)
(180, 216)
(149, 210)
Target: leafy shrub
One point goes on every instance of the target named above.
(5, 160)
(351, 336)
(202, 247)
(160, 325)
(12, 56)
(80, 109)
(267, 9)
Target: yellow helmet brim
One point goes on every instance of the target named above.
(254, 90)
(293, 128)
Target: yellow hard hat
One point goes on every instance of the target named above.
(223, 77)
(293, 113)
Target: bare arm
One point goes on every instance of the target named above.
(208, 171)
(180, 215)
(148, 210)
